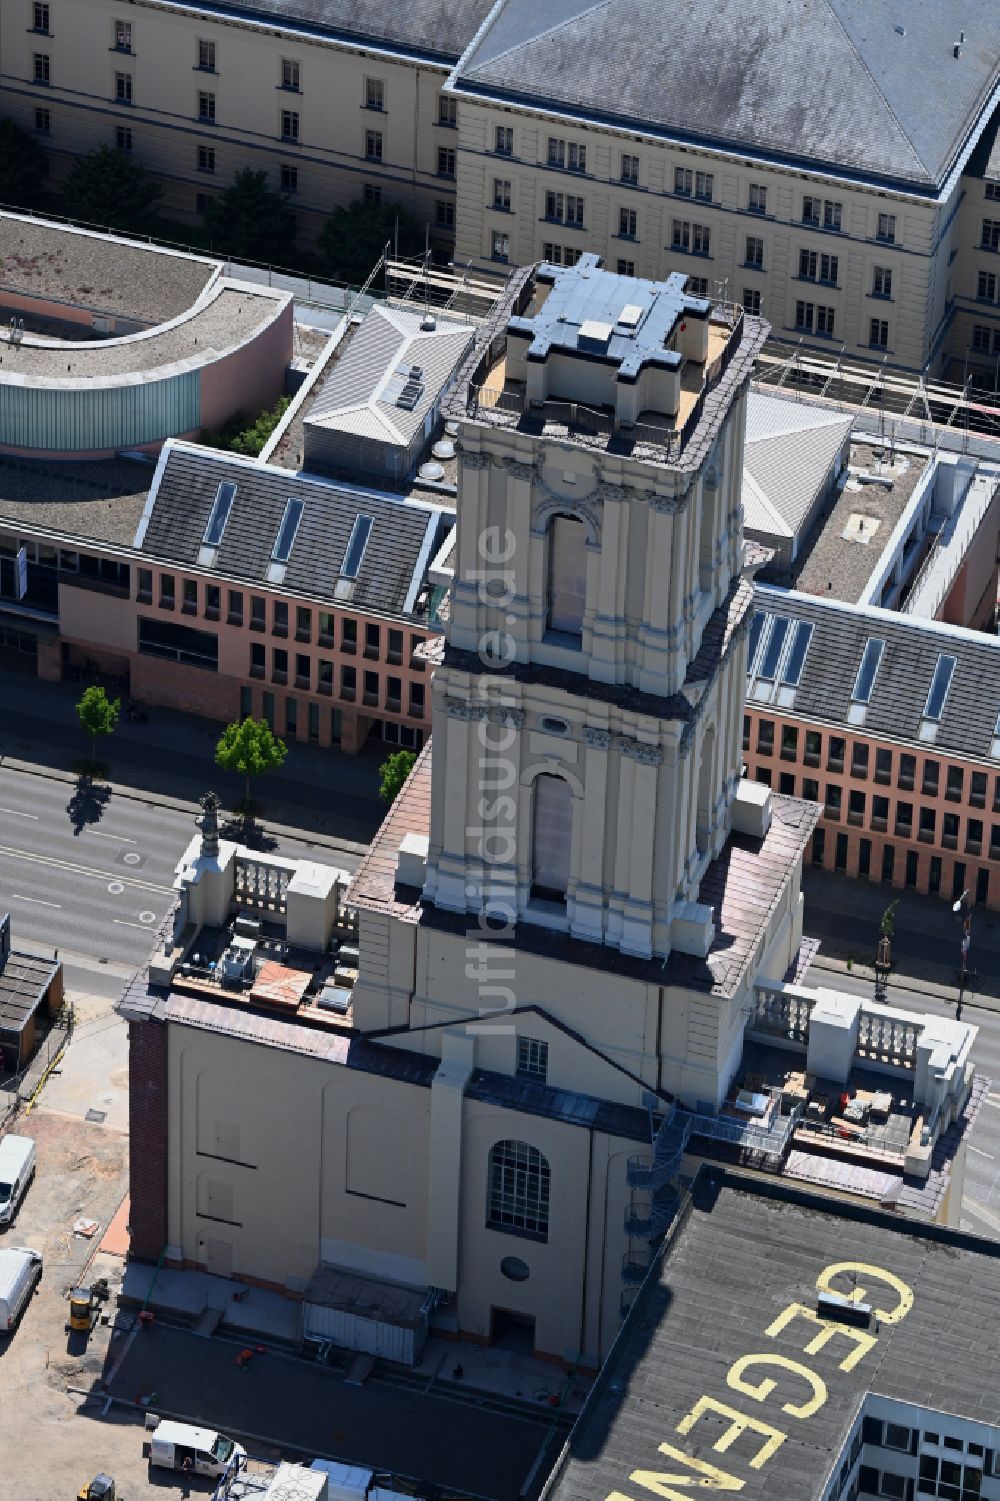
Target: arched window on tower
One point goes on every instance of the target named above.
(706, 540)
(518, 1189)
(551, 837)
(567, 583)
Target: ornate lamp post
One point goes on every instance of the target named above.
(962, 910)
(883, 954)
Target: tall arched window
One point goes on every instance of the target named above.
(519, 1188)
(567, 575)
(551, 837)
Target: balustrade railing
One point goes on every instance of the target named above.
(887, 1039)
(261, 884)
(780, 1014)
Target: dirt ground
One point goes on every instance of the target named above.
(51, 1442)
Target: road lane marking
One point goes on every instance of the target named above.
(123, 924)
(79, 870)
(981, 1154)
(994, 1100)
(980, 1211)
(36, 899)
(119, 838)
(14, 813)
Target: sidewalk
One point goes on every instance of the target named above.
(845, 915)
(171, 760)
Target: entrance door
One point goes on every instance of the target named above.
(512, 1331)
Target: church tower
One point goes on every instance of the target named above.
(588, 709)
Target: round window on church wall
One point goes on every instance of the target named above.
(515, 1269)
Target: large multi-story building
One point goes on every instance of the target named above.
(573, 928)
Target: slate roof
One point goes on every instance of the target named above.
(912, 647)
(430, 28)
(358, 396)
(401, 541)
(833, 84)
(740, 1254)
(790, 448)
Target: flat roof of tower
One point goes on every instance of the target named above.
(739, 1276)
(625, 319)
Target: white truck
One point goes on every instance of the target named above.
(20, 1272)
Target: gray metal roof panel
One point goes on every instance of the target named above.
(183, 503)
(791, 468)
(904, 677)
(833, 83)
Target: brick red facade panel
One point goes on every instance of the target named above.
(191, 689)
(147, 1071)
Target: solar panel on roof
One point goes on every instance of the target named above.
(940, 683)
(219, 515)
(360, 533)
(865, 680)
(286, 532)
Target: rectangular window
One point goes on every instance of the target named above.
(447, 110)
(444, 213)
(290, 125)
(986, 286)
(324, 682)
(567, 154)
(554, 206)
(258, 613)
(829, 269)
(834, 801)
(349, 636)
(234, 612)
(882, 281)
(123, 88)
(373, 645)
(532, 1058)
(883, 766)
(213, 601)
(43, 122)
(751, 301)
(348, 683)
(810, 789)
(907, 772)
(394, 695)
(808, 262)
(446, 161)
(696, 286)
(814, 747)
(974, 836)
(417, 694)
(500, 245)
(824, 320)
(880, 814)
(977, 791)
(206, 107)
(878, 333)
(206, 159)
(374, 94)
(904, 819)
(394, 655)
(832, 214)
(704, 184)
(373, 145)
(371, 686)
(189, 597)
(929, 785)
(166, 591)
(303, 623)
(372, 192)
(757, 198)
(289, 178)
(835, 753)
(949, 831)
(630, 169)
(886, 229)
(954, 784)
(789, 742)
(755, 252)
(627, 223)
(804, 312)
(123, 137)
(206, 56)
(625, 268)
(501, 192)
(859, 760)
(940, 683)
(291, 717)
(574, 210)
(40, 18)
(810, 210)
(279, 665)
(123, 36)
(856, 807)
(695, 238)
(279, 625)
(287, 531)
(503, 143)
(684, 181)
(765, 737)
(928, 822)
(178, 643)
(144, 586)
(303, 670)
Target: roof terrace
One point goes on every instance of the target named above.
(619, 363)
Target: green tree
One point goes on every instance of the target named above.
(246, 436)
(98, 715)
(249, 748)
(354, 237)
(394, 772)
(251, 221)
(111, 188)
(24, 166)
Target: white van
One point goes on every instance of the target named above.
(17, 1168)
(210, 1453)
(20, 1271)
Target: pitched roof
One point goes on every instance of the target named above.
(902, 682)
(430, 28)
(360, 394)
(863, 87)
(399, 547)
(790, 447)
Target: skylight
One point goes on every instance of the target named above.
(870, 661)
(776, 656)
(356, 547)
(940, 683)
(220, 515)
(796, 658)
(995, 747)
(286, 532)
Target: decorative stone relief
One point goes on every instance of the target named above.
(476, 460)
(664, 505)
(517, 470)
(600, 739)
(460, 708)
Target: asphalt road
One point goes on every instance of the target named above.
(93, 877)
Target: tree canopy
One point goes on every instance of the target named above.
(98, 714)
(251, 221)
(250, 748)
(394, 772)
(354, 237)
(24, 166)
(109, 187)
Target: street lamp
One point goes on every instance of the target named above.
(962, 910)
(883, 953)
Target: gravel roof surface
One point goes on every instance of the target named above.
(108, 275)
(97, 499)
(228, 320)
